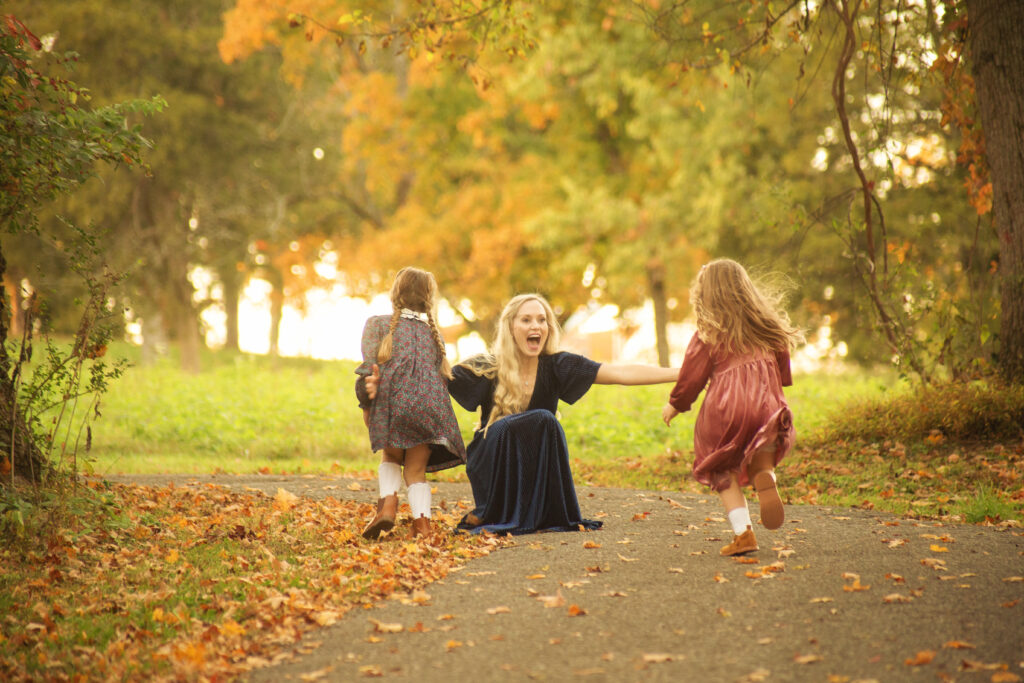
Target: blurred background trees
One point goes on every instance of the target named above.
(595, 151)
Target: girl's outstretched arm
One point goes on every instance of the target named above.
(632, 375)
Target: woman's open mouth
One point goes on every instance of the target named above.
(534, 341)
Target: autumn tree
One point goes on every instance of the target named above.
(52, 140)
(995, 33)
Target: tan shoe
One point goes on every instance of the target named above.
(772, 512)
(744, 543)
(421, 527)
(384, 520)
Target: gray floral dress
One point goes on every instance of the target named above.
(412, 405)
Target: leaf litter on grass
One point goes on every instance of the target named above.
(202, 582)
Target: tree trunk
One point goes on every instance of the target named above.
(276, 307)
(18, 452)
(995, 37)
(656, 283)
(232, 283)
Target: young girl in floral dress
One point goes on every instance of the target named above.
(409, 414)
(744, 427)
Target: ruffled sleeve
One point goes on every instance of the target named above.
(693, 376)
(574, 375)
(373, 332)
(785, 371)
(469, 389)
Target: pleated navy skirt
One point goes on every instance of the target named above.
(521, 479)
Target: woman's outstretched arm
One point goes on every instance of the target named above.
(635, 374)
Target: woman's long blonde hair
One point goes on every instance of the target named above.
(503, 362)
(742, 316)
(416, 290)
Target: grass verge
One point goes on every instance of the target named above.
(197, 583)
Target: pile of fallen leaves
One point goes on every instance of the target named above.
(200, 582)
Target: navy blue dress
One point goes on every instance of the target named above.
(520, 471)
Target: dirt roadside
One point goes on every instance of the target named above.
(834, 595)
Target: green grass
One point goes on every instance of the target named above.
(863, 438)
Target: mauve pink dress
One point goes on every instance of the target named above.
(743, 411)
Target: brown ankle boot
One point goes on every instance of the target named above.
(744, 543)
(772, 512)
(421, 527)
(387, 509)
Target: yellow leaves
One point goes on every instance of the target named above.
(856, 586)
(576, 611)
(957, 645)
(591, 545)
(935, 548)
(452, 645)
(807, 659)
(549, 601)
(284, 500)
(230, 627)
(501, 609)
(896, 597)
(171, 557)
(381, 627)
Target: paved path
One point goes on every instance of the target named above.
(834, 595)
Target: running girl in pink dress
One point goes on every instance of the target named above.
(744, 427)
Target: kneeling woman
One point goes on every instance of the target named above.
(518, 460)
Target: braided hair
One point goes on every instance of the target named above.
(416, 290)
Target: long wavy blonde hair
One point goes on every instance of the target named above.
(510, 396)
(416, 290)
(743, 316)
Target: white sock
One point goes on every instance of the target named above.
(419, 499)
(389, 478)
(739, 518)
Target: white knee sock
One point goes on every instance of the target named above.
(739, 518)
(389, 478)
(419, 500)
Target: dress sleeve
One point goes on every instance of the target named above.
(574, 375)
(785, 371)
(469, 389)
(373, 332)
(693, 376)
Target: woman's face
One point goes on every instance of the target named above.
(530, 328)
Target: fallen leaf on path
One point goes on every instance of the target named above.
(676, 570)
(724, 612)
(720, 579)
(452, 644)
(535, 576)
(591, 545)
(896, 542)
(958, 645)
(354, 486)
(614, 594)
(657, 658)
(576, 611)
(1014, 579)
(285, 500)
(856, 586)
(895, 577)
(935, 548)
(1005, 677)
(556, 600)
(807, 659)
(821, 600)
(592, 671)
(1011, 603)
(371, 671)
(628, 559)
(896, 597)
(935, 563)
(641, 516)
(500, 609)
(975, 665)
(921, 658)
(755, 676)
(316, 675)
(445, 617)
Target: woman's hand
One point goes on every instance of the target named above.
(372, 381)
(668, 412)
